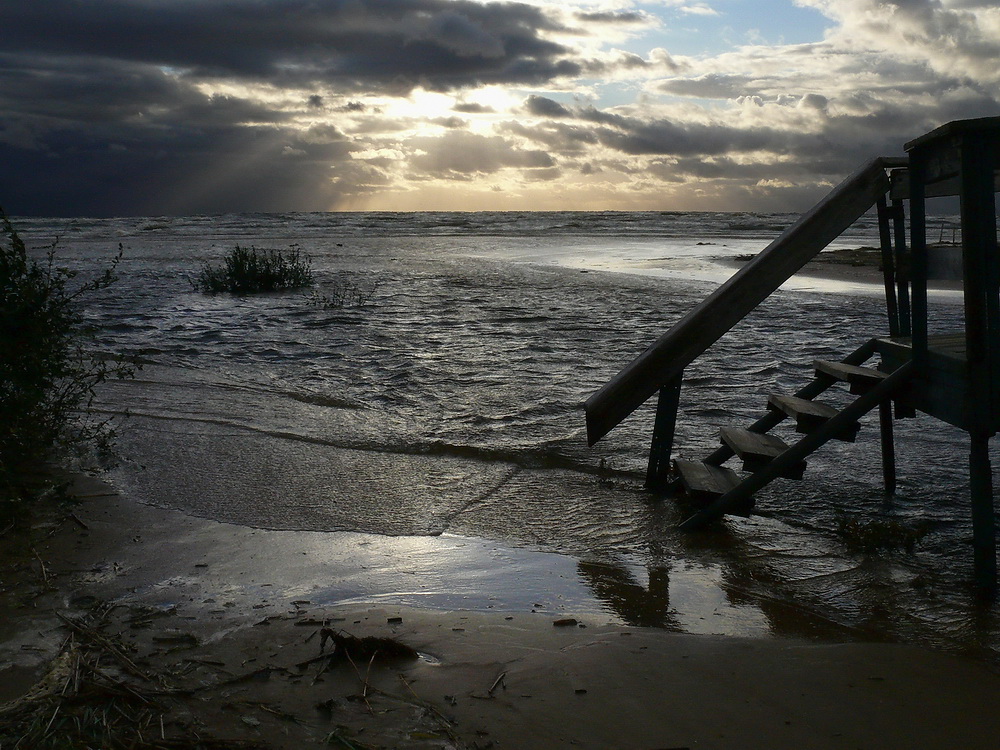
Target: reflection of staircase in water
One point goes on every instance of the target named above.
(954, 378)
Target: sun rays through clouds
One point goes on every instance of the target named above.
(150, 106)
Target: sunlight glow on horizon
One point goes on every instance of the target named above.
(462, 104)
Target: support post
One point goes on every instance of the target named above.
(888, 447)
(902, 266)
(918, 263)
(658, 470)
(982, 330)
(984, 548)
(888, 266)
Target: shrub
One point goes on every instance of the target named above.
(248, 270)
(47, 375)
(343, 293)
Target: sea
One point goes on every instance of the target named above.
(437, 429)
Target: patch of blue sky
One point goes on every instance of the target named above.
(709, 27)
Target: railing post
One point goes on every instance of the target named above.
(658, 470)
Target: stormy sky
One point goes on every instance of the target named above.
(152, 107)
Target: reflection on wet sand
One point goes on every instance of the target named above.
(775, 582)
(636, 605)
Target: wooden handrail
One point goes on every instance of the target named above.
(734, 299)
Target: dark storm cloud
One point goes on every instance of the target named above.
(557, 137)
(105, 137)
(473, 108)
(105, 109)
(399, 44)
(641, 137)
(203, 170)
(677, 151)
(633, 135)
(541, 106)
(611, 17)
(449, 122)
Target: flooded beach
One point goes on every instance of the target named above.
(435, 438)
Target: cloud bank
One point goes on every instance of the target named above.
(113, 107)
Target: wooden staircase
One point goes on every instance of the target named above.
(961, 158)
(721, 490)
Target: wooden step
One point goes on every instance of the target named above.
(757, 449)
(861, 379)
(704, 480)
(810, 415)
(707, 482)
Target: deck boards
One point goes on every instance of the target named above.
(942, 388)
(950, 345)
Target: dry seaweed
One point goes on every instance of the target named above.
(80, 703)
(346, 645)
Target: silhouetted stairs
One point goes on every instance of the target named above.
(765, 457)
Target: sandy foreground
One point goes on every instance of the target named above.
(152, 592)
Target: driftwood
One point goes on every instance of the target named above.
(348, 646)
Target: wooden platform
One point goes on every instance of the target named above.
(942, 390)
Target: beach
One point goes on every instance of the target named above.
(417, 471)
(235, 665)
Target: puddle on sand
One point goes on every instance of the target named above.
(271, 572)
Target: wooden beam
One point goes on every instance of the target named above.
(901, 256)
(946, 188)
(731, 302)
(888, 265)
(658, 469)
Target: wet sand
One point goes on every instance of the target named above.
(243, 654)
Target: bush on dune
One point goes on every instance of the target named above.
(48, 374)
(250, 270)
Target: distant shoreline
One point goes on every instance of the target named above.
(861, 265)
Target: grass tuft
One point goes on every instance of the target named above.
(343, 293)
